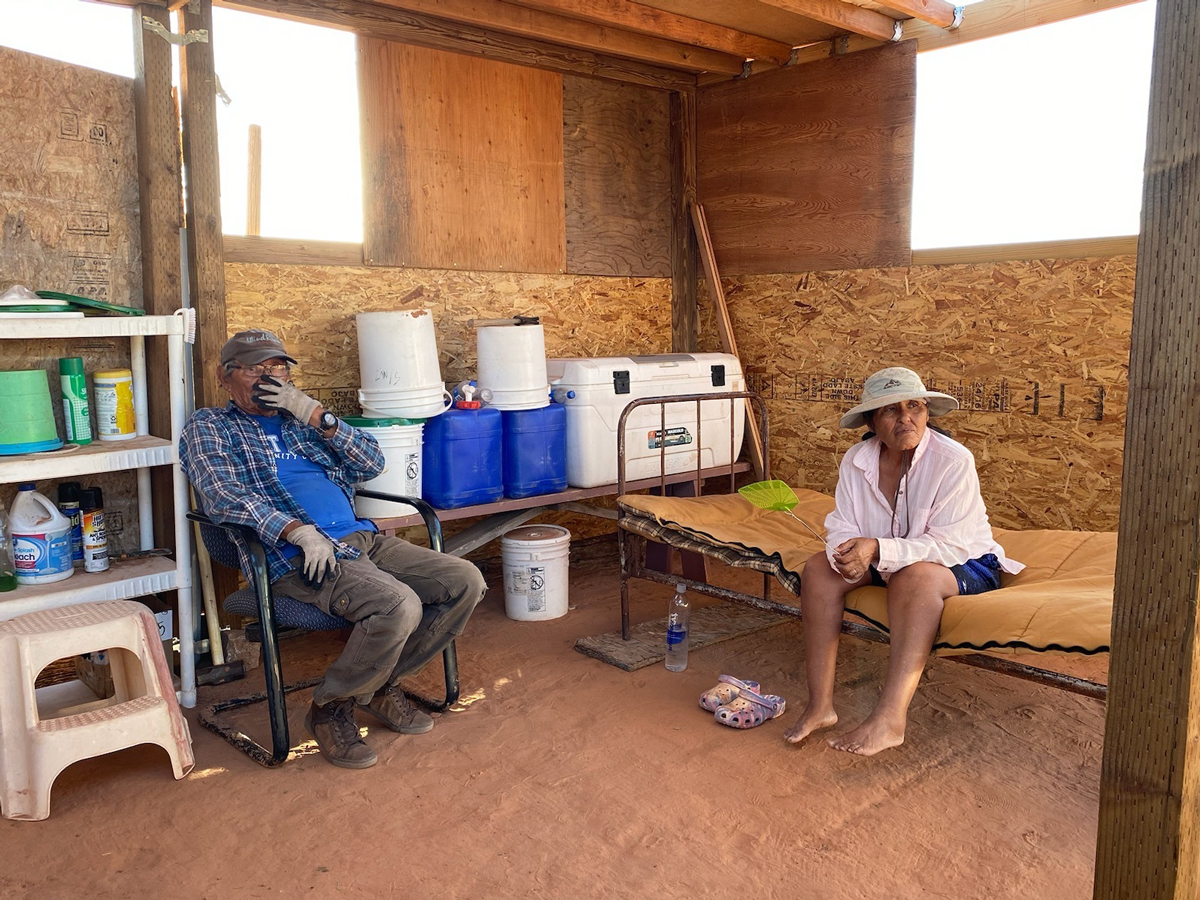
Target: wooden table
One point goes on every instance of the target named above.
(498, 517)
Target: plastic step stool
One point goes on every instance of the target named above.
(39, 739)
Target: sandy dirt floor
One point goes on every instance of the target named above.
(560, 776)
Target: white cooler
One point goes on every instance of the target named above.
(604, 387)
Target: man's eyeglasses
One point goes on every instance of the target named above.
(279, 371)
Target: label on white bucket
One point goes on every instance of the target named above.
(530, 582)
(412, 474)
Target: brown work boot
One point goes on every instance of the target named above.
(333, 727)
(396, 711)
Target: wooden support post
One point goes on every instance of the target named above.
(206, 275)
(206, 272)
(724, 325)
(254, 182)
(159, 191)
(685, 327)
(1149, 830)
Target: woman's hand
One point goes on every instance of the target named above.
(852, 558)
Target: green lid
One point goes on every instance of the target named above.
(365, 422)
(70, 365)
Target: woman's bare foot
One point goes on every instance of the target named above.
(810, 721)
(869, 738)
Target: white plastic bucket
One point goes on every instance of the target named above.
(398, 351)
(424, 403)
(535, 572)
(512, 365)
(401, 446)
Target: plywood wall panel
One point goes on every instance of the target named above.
(462, 161)
(1036, 352)
(68, 180)
(809, 168)
(616, 163)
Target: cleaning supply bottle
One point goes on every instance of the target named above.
(68, 505)
(76, 412)
(41, 538)
(8, 574)
(678, 620)
(95, 538)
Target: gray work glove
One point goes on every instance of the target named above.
(320, 558)
(270, 393)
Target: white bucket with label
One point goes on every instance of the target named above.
(535, 572)
(400, 441)
(397, 351)
(512, 365)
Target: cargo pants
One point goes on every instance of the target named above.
(407, 604)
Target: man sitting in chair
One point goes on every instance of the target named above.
(275, 460)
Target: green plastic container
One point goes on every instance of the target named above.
(27, 415)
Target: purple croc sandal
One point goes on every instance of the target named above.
(725, 692)
(750, 709)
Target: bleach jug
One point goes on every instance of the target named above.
(41, 537)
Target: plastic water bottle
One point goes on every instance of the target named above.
(678, 617)
(8, 574)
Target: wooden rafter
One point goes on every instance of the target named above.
(855, 19)
(990, 18)
(935, 12)
(542, 26)
(648, 20)
(389, 24)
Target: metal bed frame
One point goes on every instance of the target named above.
(632, 546)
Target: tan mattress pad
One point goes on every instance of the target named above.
(1061, 601)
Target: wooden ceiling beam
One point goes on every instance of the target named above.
(389, 24)
(644, 19)
(935, 12)
(990, 18)
(531, 23)
(855, 19)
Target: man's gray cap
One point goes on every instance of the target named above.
(253, 346)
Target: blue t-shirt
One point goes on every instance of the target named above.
(323, 500)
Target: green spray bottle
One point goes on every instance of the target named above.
(75, 400)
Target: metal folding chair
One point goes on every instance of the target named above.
(276, 613)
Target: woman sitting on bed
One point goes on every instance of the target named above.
(909, 517)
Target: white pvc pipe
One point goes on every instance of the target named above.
(183, 533)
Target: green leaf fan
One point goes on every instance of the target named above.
(777, 497)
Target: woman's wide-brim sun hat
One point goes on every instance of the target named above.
(896, 385)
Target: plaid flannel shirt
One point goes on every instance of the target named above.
(226, 456)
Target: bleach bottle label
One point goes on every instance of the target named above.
(41, 557)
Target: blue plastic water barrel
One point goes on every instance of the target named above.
(535, 451)
(461, 454)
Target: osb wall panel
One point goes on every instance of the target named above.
(69, 222)
(616, 165)
(809, 168)
(1036, 352)
(462, 161)
(68, 180)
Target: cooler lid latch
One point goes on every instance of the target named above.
(718, 376)
(621, 382)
